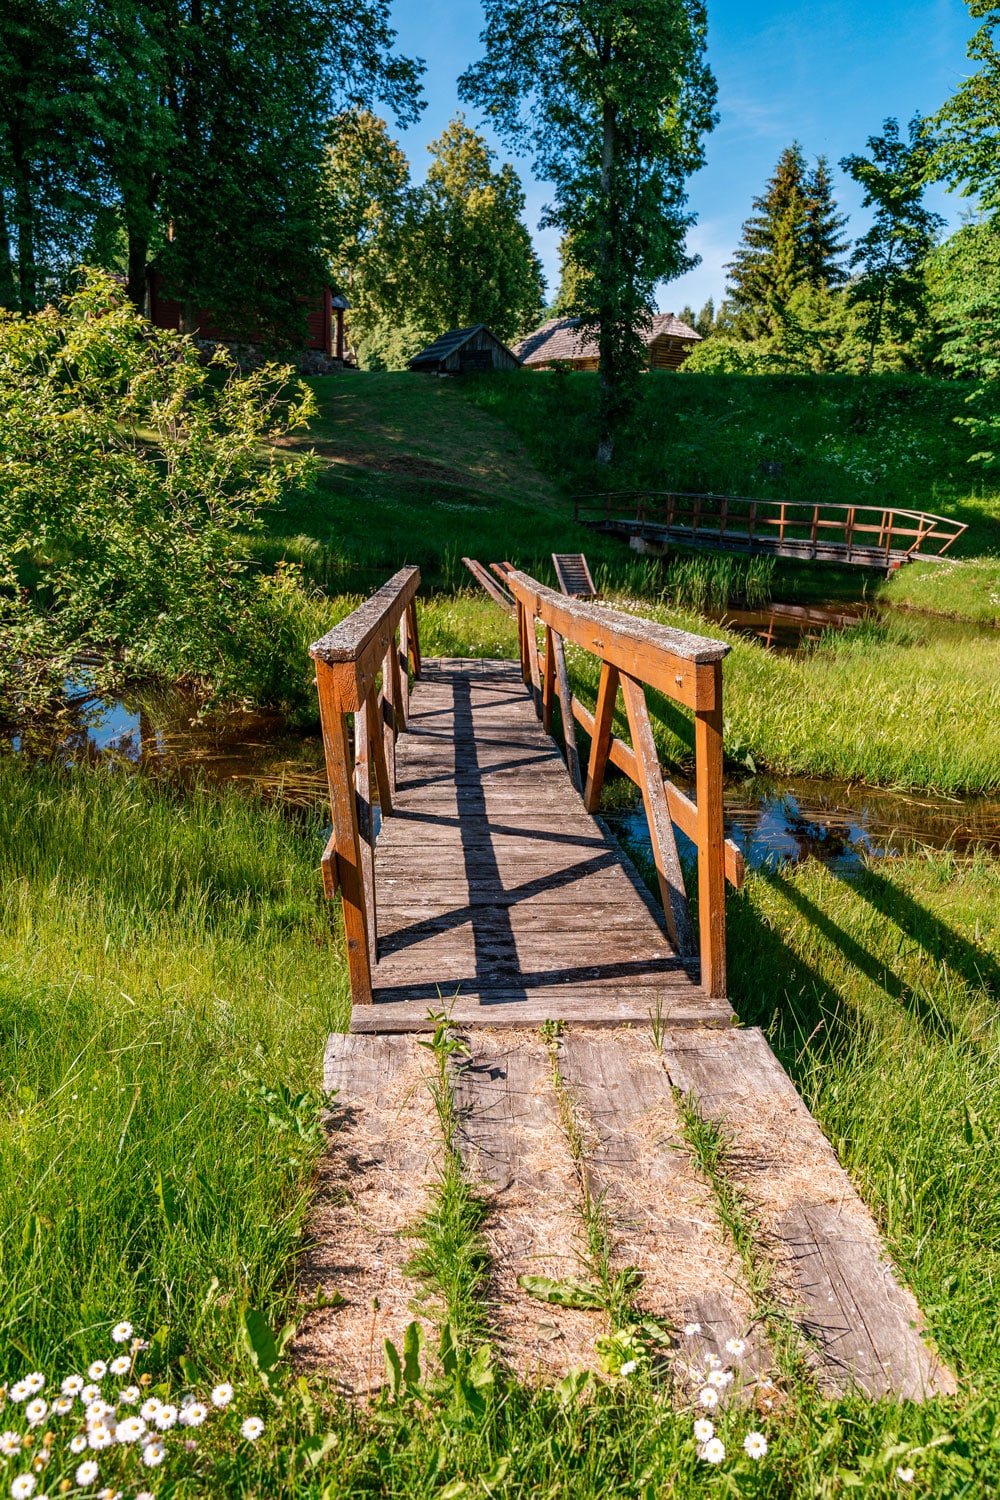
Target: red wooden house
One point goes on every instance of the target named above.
(324, 327)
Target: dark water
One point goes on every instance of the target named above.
(788, 628)
(840, 823)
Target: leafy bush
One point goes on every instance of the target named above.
(130, 477)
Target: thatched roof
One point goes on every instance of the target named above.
(559, 339)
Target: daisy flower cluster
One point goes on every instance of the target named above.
(710, 1384)
(97, 1430)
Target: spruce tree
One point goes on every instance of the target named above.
(771, 259)
(824, 247)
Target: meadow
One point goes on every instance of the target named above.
(169, 972)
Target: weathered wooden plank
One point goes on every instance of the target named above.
(830, 1261)
(631, 1006)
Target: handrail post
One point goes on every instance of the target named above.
(711, 835)
(346, 833)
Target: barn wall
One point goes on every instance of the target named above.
(165, 312)
(666, 353)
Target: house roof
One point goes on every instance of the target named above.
(446, 344)
(559, 338)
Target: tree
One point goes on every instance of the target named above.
(824, 247)
(575, 297)
(890, 255)
(967, 148)
(963, 276)
(613, 100)
(479, 265)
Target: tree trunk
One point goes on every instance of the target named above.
(24, 218)
(138, 255)
(8, 288)
(606, 293)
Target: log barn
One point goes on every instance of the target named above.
(324, 326)
(560, 342)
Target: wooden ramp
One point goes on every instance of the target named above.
(498, 897)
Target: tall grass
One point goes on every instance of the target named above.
(166, 970)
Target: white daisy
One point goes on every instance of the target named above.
(145, 1495)
(149, 1408)
(86, 1473)
(121, 1333)
(755, 1445)
(718, 1378)
(713, 1361)
(629, 1367)
(99, 1436)
(130, 1395)
(72, 1385)
(97, 1370)
(78, 1444)
(165, 1418)
(90, 1393)
(691, 1330)
(154, 1453)
(98, 1410)
(23, 1486)
(735, 1346)
(703, 1430)
(10, 1443)
(252, 1428)
(120, 1365)
(708, 1397)
(62, 1404)
(222, 1394)
(130, 1431)
(713, 1451)
(20, 1391)
(194, 1414)
(35, 1382)
(36, 1411)
(905, 1476)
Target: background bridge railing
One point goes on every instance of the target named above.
(873, 536)
(636, 654)
(362, 673)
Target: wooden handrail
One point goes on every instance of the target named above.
(636, 654)
(380, 637)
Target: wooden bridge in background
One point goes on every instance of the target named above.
(862, 536)
(477, 879)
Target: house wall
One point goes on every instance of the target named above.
(481, 352)
(165, 312)
(666, 353)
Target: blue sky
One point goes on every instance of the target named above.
(826, 74)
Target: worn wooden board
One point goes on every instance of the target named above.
(838, 1281)
(494, 885)
(384, 1143)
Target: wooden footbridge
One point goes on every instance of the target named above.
(477, 879)
(863, 536)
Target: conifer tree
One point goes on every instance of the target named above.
(770, 261)
(824, 247)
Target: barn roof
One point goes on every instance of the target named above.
(560, 338)
(446, 345)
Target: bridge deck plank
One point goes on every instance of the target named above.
(496, 890)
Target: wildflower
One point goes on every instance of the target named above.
(735, 1346)
(36, 1411)
(99, 1436)
(35, 1382)
(90, 1393)
(120, 1365)
(252, 1429)
(154, 1453)
(145, 1495)
(97, 1370)
(704, 1430)
(165, 1418)
(121, 1333)
(130, 1431)
(223, 1394)
(713, 1361)
(755, 1445)
(86, 1473)
(98, 1410)
(905, 1476)
(719, 1378)
(20, 1390)
(62, 1404)
(10, 1443)
(194, 1414)
(708, 1397)
(23, 1486)
(149, 1408)
(78, 1444)
(691, 1329)
(629, 1367)
(713, 1451)
(130, 1395)
(72, 1385)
